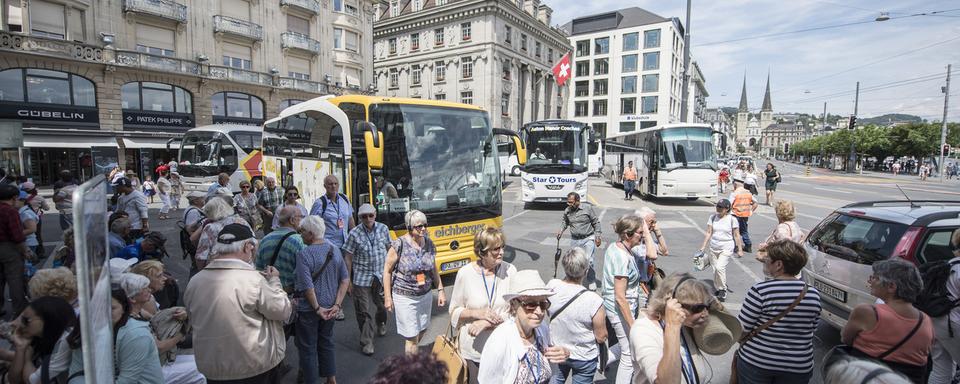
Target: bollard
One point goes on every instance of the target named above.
(807, 172)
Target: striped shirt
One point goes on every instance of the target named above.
(787, 345)
(286, 262)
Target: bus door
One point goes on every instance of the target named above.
(653, 161)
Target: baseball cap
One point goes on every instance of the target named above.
(224, 192)
(23, 195)
(118, 266)
(723, 203)
(28, 186)
(123, 182)
(366, 209)
(233, 233)
(196, 195)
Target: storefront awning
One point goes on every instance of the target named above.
(33, 141)
(146, 142)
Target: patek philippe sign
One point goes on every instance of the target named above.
(51, 114)
(153, 120)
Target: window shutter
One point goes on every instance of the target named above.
(155, 37)
(353, 76)
(298, 25)
(47, 17)
(238, 9)
(237, 51)
(76, 25)
(296, 64)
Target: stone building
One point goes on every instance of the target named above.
(777, 138)
(628, 71)
(93, 84)
(749, 126)
(497, 54)
(722, 123)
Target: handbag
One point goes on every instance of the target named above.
(756, 331)
(446, 348)
(700, 261)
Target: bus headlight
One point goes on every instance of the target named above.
(528, 184)
(579, 185)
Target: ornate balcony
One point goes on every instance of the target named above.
(311, 6)
(228, 73)
(52, 47)
(299, 41)
(158, 63)
(227, 24)
(303, 85)
(161, 8)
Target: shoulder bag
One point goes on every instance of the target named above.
(756, 331)
(913, 372)
(446, 348)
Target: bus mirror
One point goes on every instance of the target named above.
(373, 141)
(521, 150)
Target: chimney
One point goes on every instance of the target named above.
(531, 6)
(544, 14)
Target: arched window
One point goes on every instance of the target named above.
(43, 86)
(289, 102)
(156, 97)
(237, 105)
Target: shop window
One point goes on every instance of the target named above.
(235, 104)
(156, 97)
(46, 87)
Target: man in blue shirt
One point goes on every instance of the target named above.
(336, 212)
(119, 230)
(149, 246)
(365, 253)
(223, 181)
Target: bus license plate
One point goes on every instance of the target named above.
(691, 194)
(555, 199)
(453, 265)
(834, 292)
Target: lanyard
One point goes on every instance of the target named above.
(367, 235)
(539, 371)
(490, 292)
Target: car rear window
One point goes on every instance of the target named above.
(858, 239)
(936, 245)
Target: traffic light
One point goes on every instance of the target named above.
(853, 122)
(946, 149)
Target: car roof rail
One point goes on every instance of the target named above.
(934, 217)
(877, 203)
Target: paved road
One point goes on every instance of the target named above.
(531, 245)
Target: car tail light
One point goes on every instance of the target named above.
(856, 213)
(908, 244)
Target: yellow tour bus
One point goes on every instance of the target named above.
(399, 155)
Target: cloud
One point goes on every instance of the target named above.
(810, 68)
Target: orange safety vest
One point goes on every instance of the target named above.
(742, 204)
(630, 174)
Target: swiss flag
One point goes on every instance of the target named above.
(561, 71)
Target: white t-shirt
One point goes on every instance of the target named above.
(750, 178)
(59, 360)
(722, 237)
(573, 329)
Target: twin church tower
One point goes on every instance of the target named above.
(748, 127)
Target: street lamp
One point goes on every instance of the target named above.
(884, 16)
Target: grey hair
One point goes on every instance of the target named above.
(217, 209)
(414, 218)
(313, 225)
(575, 263)
(227, 249)
(690, 290)
(120, 225)
(286, 213)
(644, 213)
(903, 274)
(851, 370)
(133, 283)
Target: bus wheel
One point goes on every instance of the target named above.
(515, 171)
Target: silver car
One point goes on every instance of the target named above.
(844, 245)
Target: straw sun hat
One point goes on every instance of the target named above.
(527, 283)
(721, 331)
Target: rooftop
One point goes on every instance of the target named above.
(619, 19)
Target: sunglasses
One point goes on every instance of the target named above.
(292, 195)
(531, 306)
(369, 215)
(244, 187)
(421, 226)
(695, 308)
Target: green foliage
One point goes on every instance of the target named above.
(916, 139)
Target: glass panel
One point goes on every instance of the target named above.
(157, 100)
(856, 239)
(629, 84)
(649, 104)
(130, 96)
(936, 246)
(651, 83)
(184, 100)
(629, 63)
(217, 103)
(631, 41)
(257, 106)
(337, 38)
(651, 39)
(48, 91)
(238, 107)
(601, 66)
(47, 73)
(628, 106)
(628, 126)
(651, 60)
(601, 46)
(11, 85)
(555, 146)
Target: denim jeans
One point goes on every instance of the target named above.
(750, 374)
(628, 187)
(314, 340)
(744, 230)
(589, 247)
(583, 371)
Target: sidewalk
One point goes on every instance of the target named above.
(911, 178)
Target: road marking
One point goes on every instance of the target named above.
(514, 216)
(594, 201)
(832, 190)
(734, 259)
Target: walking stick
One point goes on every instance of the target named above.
(556, 256)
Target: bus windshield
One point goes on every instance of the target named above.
(687, 147)
(556, 147)
(204, 153)
(436, 159)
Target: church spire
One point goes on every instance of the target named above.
(743, 95)
(767, 105)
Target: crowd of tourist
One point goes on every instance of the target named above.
(266, 269)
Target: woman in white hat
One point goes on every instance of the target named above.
(520, 350)
(681, 322)
(477, 306)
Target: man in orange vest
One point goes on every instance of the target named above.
(629, 181)
(744, 203)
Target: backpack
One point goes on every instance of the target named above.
(935, 300)
(323, 202)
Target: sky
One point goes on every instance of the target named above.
(900, 63)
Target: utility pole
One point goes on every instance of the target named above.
(853, 144)
(943, 130)
(685, 93)
(823, 128)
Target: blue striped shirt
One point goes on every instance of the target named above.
(787, 345)
(369, 250)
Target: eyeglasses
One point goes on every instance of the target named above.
(292, 195)
(369, 215)
(244, 187)
(695, 308)
(419, 226)
(530, 306)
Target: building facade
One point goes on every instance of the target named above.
(92, 85)
(722, 123)
(749, 126)
(778, 138)
(627, 70)
(697, 96)
(497, 54)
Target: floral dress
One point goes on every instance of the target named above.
(246, 207)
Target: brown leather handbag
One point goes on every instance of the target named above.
(447, 350)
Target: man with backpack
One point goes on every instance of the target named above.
(940, 300)
(336, 212)
(279, 248)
